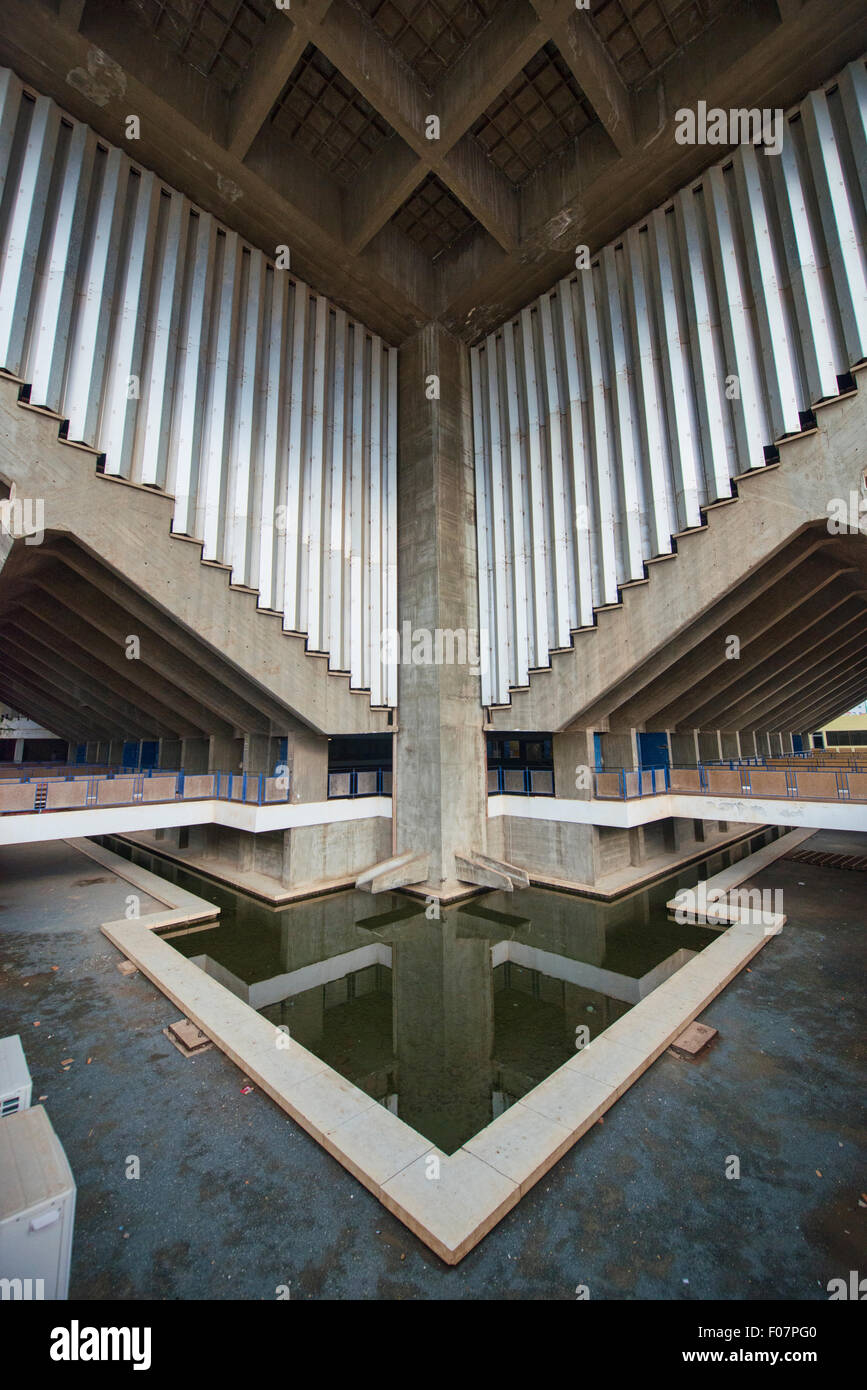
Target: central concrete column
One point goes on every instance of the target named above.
(440, 796)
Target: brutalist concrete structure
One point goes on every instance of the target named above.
(486, 380)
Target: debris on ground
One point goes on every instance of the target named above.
(187, 1037)
(692, 1041)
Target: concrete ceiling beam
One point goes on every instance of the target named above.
(784, 605)
(753, 709)
(36, 706)
(486, 67)
(816, 712)
(28, 634)
(170, 705)
(76, 713)
(826, 627)
(270, 67)
(662, 670)
(95, 622)
(56, 674)
(789, 713)
(592, 66)
(251, 703)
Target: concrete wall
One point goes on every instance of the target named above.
(728, 278)
(267, 413)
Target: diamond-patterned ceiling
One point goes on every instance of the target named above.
(216, 37)
(429, 34)
(540, 111)
(641, 35)
(321, 112)
(433, 218)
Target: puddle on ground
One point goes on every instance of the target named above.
(446, 1022)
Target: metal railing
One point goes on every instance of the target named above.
(530, 779)
(347, 782)
(734, 779)
(77, 791)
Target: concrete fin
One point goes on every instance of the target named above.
(489, 873)
(394, 873)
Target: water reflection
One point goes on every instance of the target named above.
(446, 1021)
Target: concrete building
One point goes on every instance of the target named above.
(457, 407)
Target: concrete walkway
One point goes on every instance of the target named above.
(235, 1199)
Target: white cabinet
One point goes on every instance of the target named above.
(37, 1208)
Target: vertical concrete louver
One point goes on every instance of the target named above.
(607, 414)
(196, 367)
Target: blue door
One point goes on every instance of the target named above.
(652, 750)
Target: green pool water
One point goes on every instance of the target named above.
(446, 1020)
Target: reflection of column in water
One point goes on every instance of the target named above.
(443, 1029)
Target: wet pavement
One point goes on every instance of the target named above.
(235, 1200)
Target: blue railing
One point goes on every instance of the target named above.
(95, 789)
(529, 779)
(347, 782)
(704, 779)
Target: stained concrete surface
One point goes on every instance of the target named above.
(234, 1199)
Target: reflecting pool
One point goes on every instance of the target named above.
(446, 1020)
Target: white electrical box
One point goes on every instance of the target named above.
(16, 1087)
(37, 1208)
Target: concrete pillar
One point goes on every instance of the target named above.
(637, 848)
(709, 745)
(620, 748)
(115, 752)
(169, 753)
(103, 749)
(194, 754)
(308, 753)
(787, 744)
(260, 753)
(440, 793)
(92, 752)
(573, 763)
(225, 754)
(18, 751)
(684, 748)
